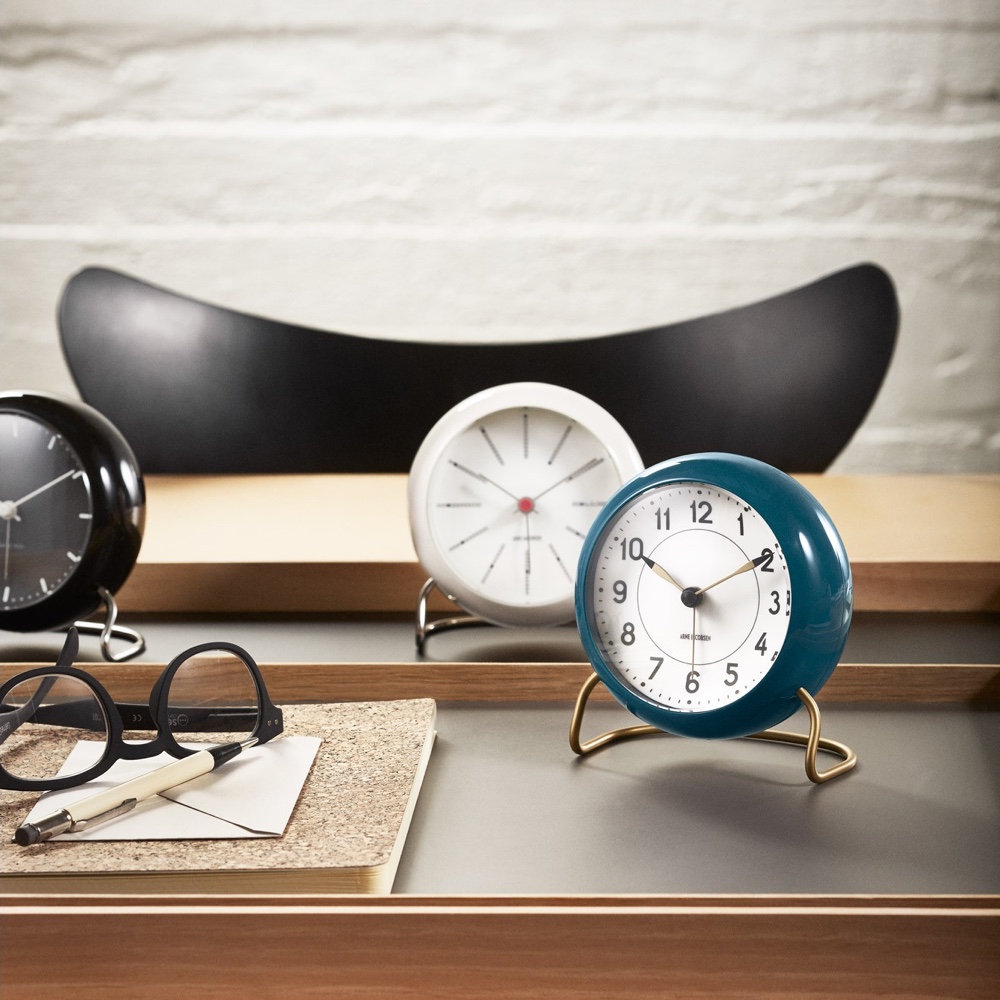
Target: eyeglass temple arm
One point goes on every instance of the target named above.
(11, 719)
(71, 647)
(80, 714)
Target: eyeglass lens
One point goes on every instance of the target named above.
(212, 699)
(47, 715)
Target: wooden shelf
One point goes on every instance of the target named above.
(887, 683)
(513, 945)
(537, 947)
(341, 543)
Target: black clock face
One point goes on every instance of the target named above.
(46, 514)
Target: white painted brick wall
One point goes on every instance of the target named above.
(519, 170)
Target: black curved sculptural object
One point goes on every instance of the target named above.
(197, 388)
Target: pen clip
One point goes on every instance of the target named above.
(127, 806)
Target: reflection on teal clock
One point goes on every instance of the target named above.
(710, 589)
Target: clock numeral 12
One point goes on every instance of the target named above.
(705, 507)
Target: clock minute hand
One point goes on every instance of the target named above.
(42, 489)
(745, 568)
(586, 467)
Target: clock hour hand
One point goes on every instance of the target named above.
(482, 478)
(745, 568)
(661, 572)
(42, 489)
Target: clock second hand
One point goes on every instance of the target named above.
(6, 550)
(694, 618)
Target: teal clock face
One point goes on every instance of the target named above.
(710, 589)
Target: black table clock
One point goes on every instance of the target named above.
(72, 509)
(714, 597)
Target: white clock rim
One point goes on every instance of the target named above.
(539, 395)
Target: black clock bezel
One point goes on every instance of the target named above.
(118, 504)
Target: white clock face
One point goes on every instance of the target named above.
(510, 501)
(689, 597)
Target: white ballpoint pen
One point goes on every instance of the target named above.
(123, 798)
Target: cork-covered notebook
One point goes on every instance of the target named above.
(345, 835)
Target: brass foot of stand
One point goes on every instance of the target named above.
(108, 630)
(425, 628)
(812, 740)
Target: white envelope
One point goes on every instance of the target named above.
(252, 795)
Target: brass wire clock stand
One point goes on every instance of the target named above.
(812, 740)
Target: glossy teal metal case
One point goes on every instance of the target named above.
(821, 604)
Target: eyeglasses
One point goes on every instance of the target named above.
(211, 693)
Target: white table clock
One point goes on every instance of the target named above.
(501, 494)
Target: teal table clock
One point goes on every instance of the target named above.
(713, 599)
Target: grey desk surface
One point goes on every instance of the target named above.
(874, 638)
(507, 809)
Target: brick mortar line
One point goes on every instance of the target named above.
(490, 230)
(931, 132)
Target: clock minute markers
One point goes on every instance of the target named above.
(496, 559)
(492, 446)
(562, 565)
(560, 443)
(468, 538)
(527, 553)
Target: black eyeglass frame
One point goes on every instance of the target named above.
(155, 715)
